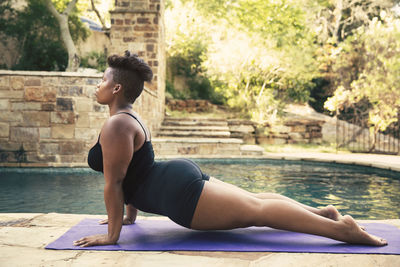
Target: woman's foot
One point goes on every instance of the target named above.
(330, 212)
(351, 232)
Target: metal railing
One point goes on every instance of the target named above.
(356, 137)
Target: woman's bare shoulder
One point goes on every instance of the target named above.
(118, 126)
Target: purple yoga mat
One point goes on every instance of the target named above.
(165, 235)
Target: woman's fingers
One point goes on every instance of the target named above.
(127, 221)
(105, 221)
(88, 244)
(85, 242)
(93, 240)
(79, 242)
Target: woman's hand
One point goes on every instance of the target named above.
(94, 240)
(126, 221)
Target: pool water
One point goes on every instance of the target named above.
(363, 192)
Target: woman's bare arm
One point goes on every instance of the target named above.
(131, 213)
(117, 145)
(130, 217)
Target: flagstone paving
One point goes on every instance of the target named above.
(24, 236)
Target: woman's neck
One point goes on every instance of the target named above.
(120, 108)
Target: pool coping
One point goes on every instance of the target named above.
(387, 162)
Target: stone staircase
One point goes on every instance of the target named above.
(200, 137)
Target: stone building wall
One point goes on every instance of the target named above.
(52, 118)
(138, 26)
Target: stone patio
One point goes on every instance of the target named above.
(24, 236)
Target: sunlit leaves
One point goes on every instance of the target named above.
(280, 20)
(257, 54)
(378, 80)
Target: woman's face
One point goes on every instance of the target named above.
(104, 92)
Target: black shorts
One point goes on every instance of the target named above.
(172, 188)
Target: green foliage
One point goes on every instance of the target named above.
(7, 17)
(186, 52)
(172, 92)
(37, 36)
(255, 54)
(260, 54)
(333, 22)
(281, 20)
(95, 60)
(375, 85)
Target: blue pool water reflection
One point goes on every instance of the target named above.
(363, 192)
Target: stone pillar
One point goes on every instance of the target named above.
(138, 26)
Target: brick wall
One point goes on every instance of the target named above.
(52, 118)
(138, 26)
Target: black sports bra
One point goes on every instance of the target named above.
(141, 163)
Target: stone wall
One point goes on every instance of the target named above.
(291, 132)
(189, 105)
(243, 129)
(52, 118)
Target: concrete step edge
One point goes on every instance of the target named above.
(197, 140)
(194, 119)
(194, 133)
(251, 150)
(194, 128)
(192, 123)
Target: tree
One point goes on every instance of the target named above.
(32, 36)
(334, 20)
(96, 11)
(8, 28)
(279, 20)
(62, 18)
(259, 53)
(375, 88)
(187, 39)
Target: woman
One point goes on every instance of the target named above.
(178, 189)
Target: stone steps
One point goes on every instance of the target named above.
(196, 146)
(196, 128)
(205, 134)
(200, 136)
(195, 122)
(194, 131)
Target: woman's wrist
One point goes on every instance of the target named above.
(111, 239)
(128, 220)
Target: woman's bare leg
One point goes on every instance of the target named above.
(329, 211)
(221, 208)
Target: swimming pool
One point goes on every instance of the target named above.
(363, 192)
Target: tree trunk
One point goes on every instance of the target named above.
(73, 58)
(338, 19)
(98, 15)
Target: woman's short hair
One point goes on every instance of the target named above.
(131, 72)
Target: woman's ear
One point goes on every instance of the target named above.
(117, 88)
